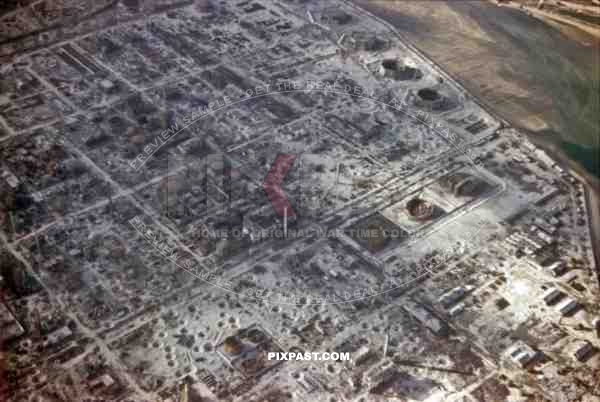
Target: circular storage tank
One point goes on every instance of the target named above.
(419, 209)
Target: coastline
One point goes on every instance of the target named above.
(590, 183)
(529, 72)
(556, 153)
(553, 18)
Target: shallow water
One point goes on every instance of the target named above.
(527, 71)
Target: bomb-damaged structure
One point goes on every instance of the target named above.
(133, 135)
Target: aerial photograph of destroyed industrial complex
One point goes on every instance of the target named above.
(299, 200)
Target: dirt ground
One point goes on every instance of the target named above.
(537, 75)
(526, 70)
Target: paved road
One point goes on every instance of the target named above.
(525, 70)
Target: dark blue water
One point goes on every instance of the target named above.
(528, 53)
(589, 157)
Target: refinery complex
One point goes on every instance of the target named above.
(191, 191)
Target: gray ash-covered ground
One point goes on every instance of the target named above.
(143, 259)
